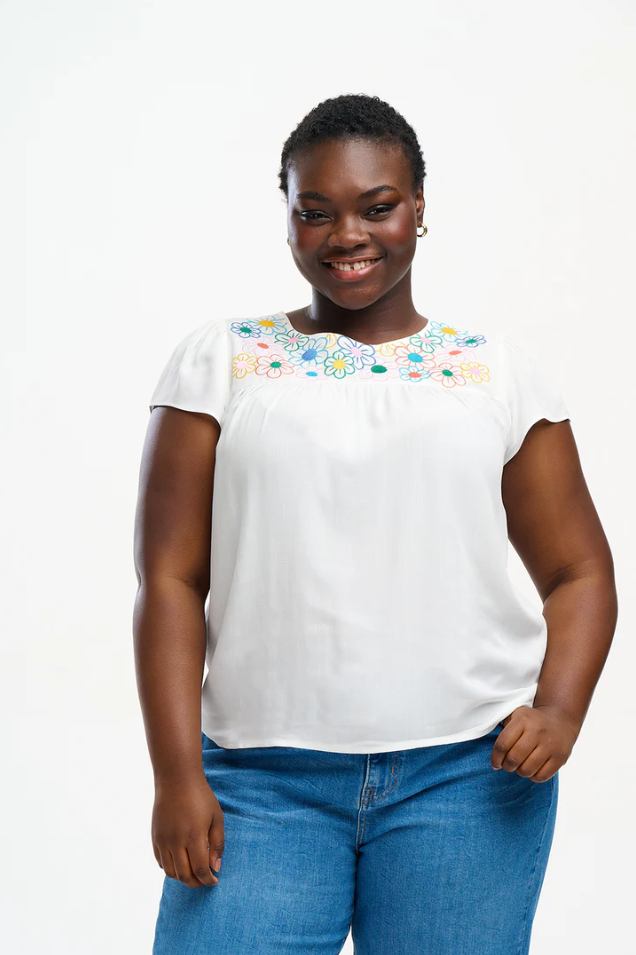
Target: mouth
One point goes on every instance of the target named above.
(347, 270)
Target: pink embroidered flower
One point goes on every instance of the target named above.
(448, 374)
(274, 365)
(410, 354)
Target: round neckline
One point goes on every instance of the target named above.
(393, 341)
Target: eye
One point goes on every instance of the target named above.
(315, 215)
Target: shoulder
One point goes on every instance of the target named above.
(216, 327)
(197, 375)
(508, 354)
(206, 341)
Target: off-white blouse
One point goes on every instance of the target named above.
(360, 599)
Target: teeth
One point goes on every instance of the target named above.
(347, 267)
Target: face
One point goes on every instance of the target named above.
(351, 200)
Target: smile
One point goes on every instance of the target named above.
(350, 271)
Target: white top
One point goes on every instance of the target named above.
(360, 599)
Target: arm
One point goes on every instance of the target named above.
(554, 527)
(172, 560)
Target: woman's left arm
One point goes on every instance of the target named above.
(556, 531)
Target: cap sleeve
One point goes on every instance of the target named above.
(530, 393)
(197, 376)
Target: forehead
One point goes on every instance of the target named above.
(340, 167)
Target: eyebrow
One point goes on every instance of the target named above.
(318, 196)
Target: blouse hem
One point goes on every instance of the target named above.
(389, 746)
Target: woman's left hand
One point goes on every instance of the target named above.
(535, 742)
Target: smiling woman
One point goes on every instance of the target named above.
(343, 481)
(366, 204)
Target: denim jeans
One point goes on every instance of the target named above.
(426, 851)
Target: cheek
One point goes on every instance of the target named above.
(306, 245)
(397, 236)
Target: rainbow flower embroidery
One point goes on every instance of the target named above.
(441, 354)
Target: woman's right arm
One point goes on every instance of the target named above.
(172, 562)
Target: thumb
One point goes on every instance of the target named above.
(216, 845)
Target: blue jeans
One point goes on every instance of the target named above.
(426, 851)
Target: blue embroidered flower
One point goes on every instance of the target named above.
(360, 353)
(246, 329)
(440, 330)
(464, 340)
(413, 373)
(308, 352)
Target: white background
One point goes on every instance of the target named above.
(139, 149)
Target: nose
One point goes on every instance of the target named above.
(348, 232)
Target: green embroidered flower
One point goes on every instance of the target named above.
(339, 365)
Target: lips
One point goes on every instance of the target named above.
(361, 258)
(351, 274)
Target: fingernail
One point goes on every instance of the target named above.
(217, 865)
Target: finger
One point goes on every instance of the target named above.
(155, 849)
(533, 762)
(506, 739)
(520, 753)
(200, 863)
(182, 867)
(167, 863)
(546, 771)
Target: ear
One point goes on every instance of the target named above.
(419, 203)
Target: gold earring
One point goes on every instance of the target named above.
(425, 230)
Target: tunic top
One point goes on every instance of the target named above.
(360, 599)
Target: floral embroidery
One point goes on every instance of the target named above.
(274, 366)
(441, 354)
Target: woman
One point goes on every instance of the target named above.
(371, 665)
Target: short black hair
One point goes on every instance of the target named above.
(354, 116)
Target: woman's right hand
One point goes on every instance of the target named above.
(186, 819)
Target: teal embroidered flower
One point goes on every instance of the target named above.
(430, 341)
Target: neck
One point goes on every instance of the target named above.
(390, 317)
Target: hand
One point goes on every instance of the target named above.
(535, 742)
(188, 832)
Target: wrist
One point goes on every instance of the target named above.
(178, 774)
(573, 720)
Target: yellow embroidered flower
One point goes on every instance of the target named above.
(475, 370)
(243, 364)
